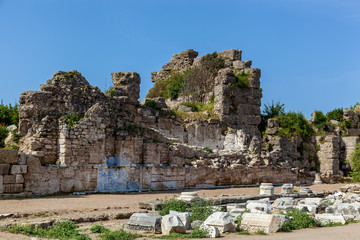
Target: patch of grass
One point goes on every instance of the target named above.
(243, 233)
(174, 205)
(198, 110)
(207, 149)
(196, 233)
(12, 146)
(300, 220)
(201, 210)
(261, 232)
(60, 230)
(332, 224)
(119, 235)
(99, 229)
(242, 79)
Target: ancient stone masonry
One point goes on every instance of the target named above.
(76, 138)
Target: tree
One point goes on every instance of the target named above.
(273, 110)
(355, 163)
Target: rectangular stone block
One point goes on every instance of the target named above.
(19, 178)
(13, 188)
(9, 179)
(254, 222)
(18, 169)
(4, 169)
(9, 156)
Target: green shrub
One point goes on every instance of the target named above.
(9, 115)
(261, 232)
(174, 205)
(168, 88)
(207, 149)
(72, 119)
(111, 91)
(151, 103)
(99, 229)
(355, 163)
(320, 120)
(336, 114)
(3, 134)
(300, 220)
(273, 110)
(212, 62)
(294, 124)
(200, 210)
(345, 124)
(242, 80)
(119, 235)
(60, 230)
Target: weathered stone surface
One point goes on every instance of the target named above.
(284, 203)
(8, 156)
(287, 188)
(223, 221)
(172, 224)
(189, 196)
(330, 218)
(305, 190)
(266, 189)
(13, 188)
(144, 223)
(212, 232)
(259, 207)
(253, 222)
(184, 217)
(4, 169)
(127, 84)
(345, 209)
(196, 224)
(9, 179)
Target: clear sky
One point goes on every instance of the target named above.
(308, 50)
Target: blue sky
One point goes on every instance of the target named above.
(308, 50)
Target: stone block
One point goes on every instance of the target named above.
(18, 169)
(287, 188)
(13, 188)
(284, 203)
(188, 196)
(4, 168)
(19, 178)
(330, 218)
(9, 156)
(212, 232)
(9, 179)
(259, 207)
(172, 224)
(184, 217)
(317, 201)
(222, 220)
(232, 54)
(144, 223)
(266, 189)
(253, 222)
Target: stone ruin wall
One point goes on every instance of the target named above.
(118, 145)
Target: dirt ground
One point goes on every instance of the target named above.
(41, 209)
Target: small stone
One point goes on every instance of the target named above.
(172, 224)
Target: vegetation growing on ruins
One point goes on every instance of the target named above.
(72, 119)
(9, 115)
(242, 79)
(194, 81)
(111, 91)
(300, 220)
(199, 210)
(196, 233)
(355, 163)
(60, 230)
(336, 114)
(294, 124)
(119, 234)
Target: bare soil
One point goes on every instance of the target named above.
(47, 208)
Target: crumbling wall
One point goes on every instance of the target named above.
(77, 138)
